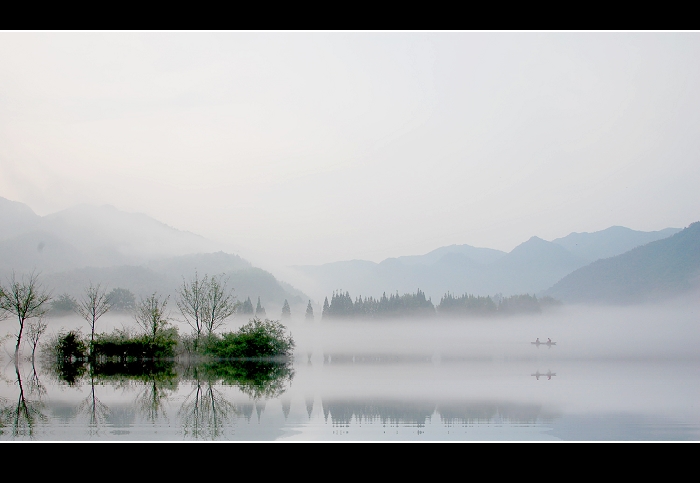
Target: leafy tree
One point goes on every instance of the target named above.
(26, 299)
(64, 304)
(122, 300)
(286, 311)
(310, 311)
(259, 309)
(150, 314)
(93, 305)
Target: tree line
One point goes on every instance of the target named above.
(342, 305)
(204, 304)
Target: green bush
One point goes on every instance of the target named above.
(255, 339)
(70, 345)
(121, 343)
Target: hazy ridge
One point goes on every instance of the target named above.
(128, 250)
(131, 250)
(531, 267)
(659, 269)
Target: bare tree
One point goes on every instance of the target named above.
(92, 305)
(35, 329)
(220, 303)
(151, 315)
(26, 299)
(192, 301)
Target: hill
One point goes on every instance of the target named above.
(105, 245)
(166, 276)
(610, 242)
(531, 267)
(653, 271)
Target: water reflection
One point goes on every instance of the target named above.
(386, 412)
(419, 413)
(358, 397)
(206, 409)
(539, 374)
(477, 412)
(22, 417)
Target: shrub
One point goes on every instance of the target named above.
(121, 343)
(257, 338)
(70, 345)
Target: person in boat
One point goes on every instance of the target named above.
(537, 341)
(549, 341)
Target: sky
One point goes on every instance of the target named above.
(312, 147)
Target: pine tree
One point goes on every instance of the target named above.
(324, 314)
(286, 311)
(259, 310)
(310, 311)
(247, 307)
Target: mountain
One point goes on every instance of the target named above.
(102, 244)
(16, 218)
(531, 267)
(610, 242)
(477, 254)
(87, 236)
(656, 270)
(166, 275)
(113, 236)
(39, 250)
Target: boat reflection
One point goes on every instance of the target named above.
(539, 374)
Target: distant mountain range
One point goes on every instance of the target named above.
(650, 272)
(531, 267)
(129, 250)
(133, 251)
(88, 236)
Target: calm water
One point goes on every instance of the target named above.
(614, 374)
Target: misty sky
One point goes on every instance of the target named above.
(305, 148)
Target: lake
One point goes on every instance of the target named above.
(615, 374)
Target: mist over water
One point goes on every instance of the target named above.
(615, 373)
(640, 332)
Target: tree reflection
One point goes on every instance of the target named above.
(156, 380)
(155, 393)
(69, 371)
(23, 416)
(95, 409)
(205, 410)
(257, 379)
